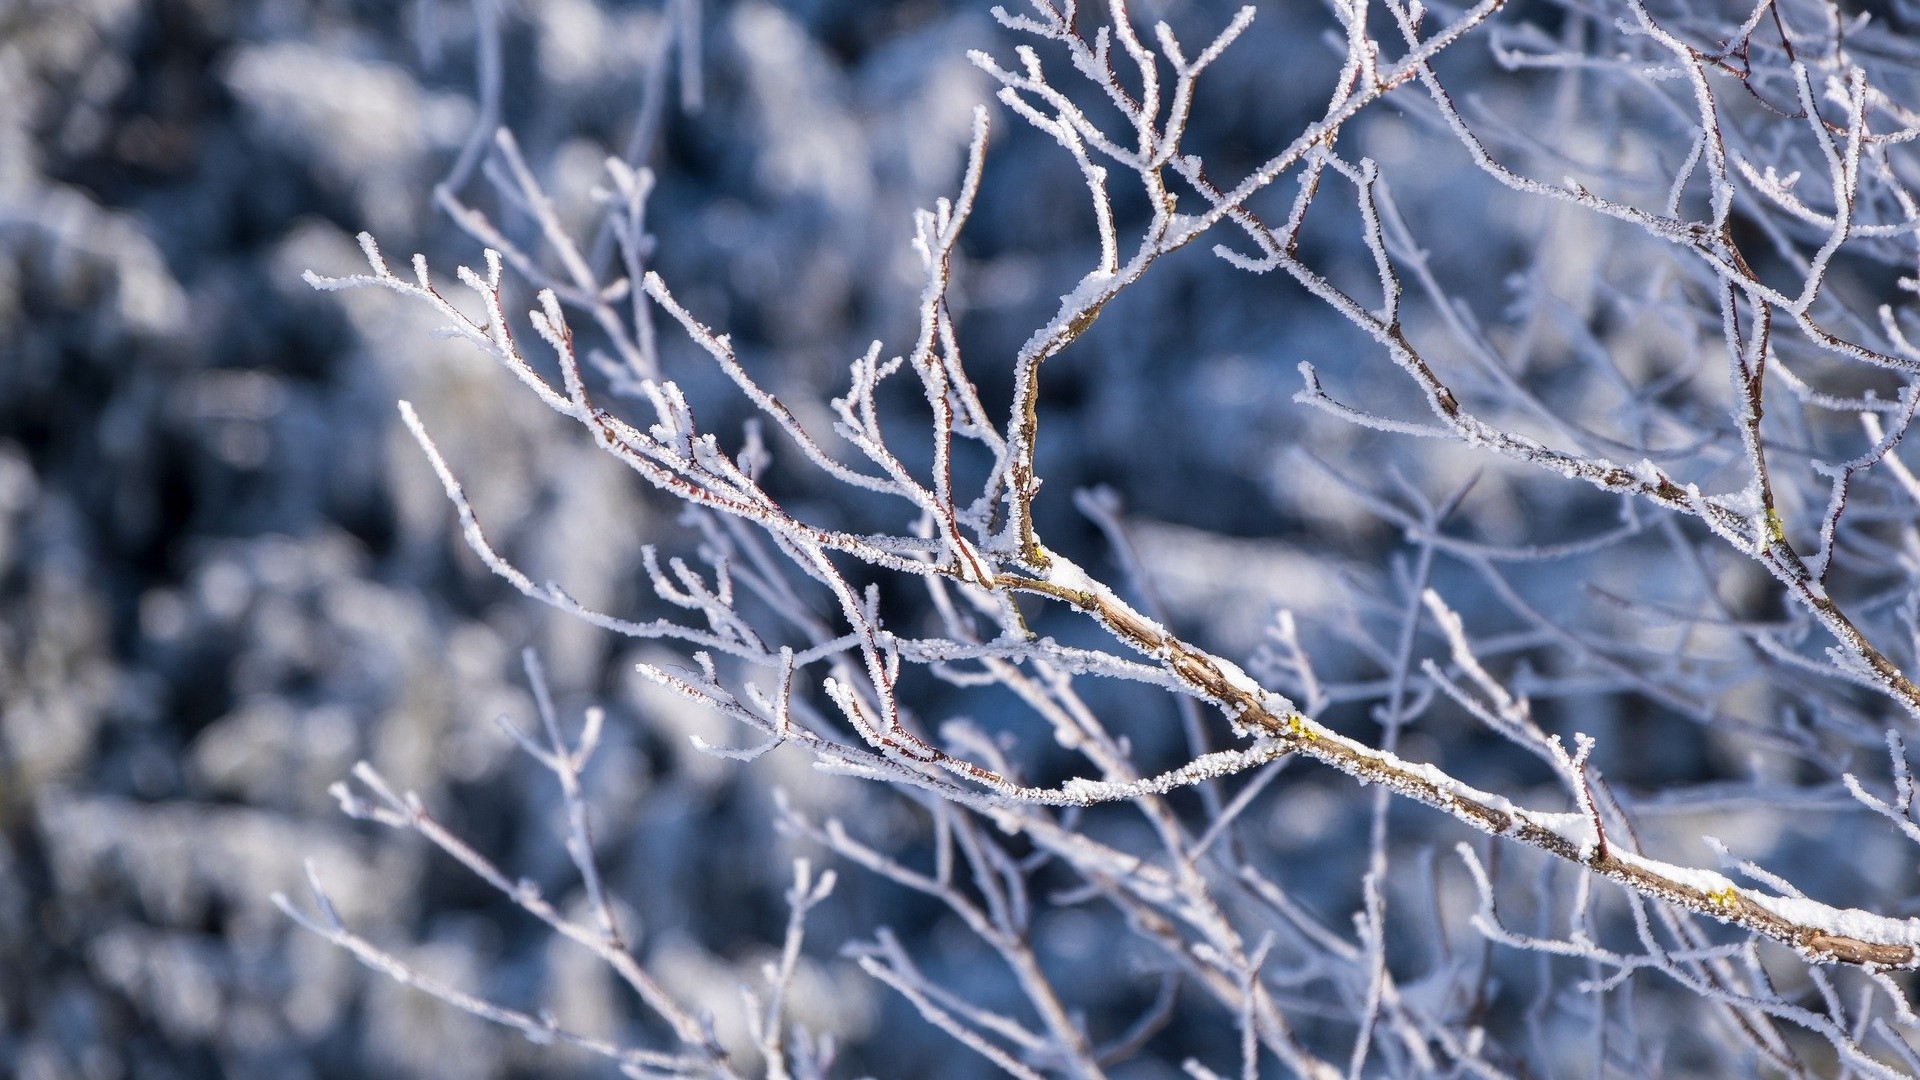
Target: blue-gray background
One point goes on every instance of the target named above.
(226, 574)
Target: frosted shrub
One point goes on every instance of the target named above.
(1601, 313)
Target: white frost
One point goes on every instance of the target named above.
(1841, 922)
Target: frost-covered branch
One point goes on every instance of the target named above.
(789, 618)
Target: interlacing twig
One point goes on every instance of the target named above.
(977, 554)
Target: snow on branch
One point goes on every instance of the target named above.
(787, 618)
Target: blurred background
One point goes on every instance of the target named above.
(226, 573)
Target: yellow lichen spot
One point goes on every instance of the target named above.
(1776, 528)
(1297, 727)
(1725, 899)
